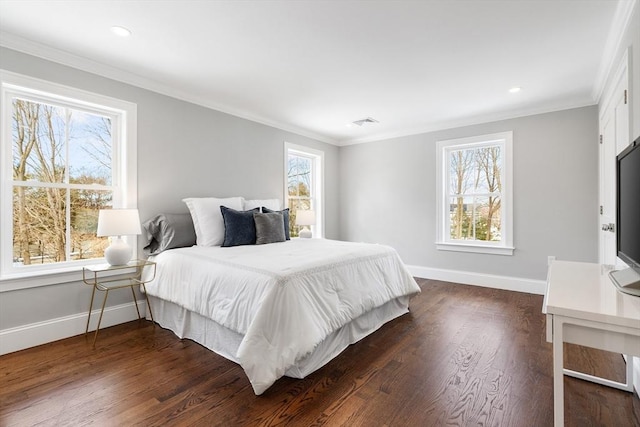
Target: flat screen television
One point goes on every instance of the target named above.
(628, 219)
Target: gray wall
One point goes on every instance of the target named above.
(388, 192)
(184, 150)
(378, 192)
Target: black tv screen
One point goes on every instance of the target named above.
(628, 205)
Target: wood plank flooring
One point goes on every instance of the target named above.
(464, 356)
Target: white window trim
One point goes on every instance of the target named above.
(318, 170)
(443, 242)
(10, 279)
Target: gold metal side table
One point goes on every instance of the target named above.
(105, 278)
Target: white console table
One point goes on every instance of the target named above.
(583, 307)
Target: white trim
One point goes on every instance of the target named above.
(620, 75)
(517, 284)
(38, 278)
(619, 26)
(124, 117)
(36, 86)
(443, 242)
(26, 336)
(35, 279)
(11, 41)
(318, 170)
(478, 249)
(636, 375)
(511, 114)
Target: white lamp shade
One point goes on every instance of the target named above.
(305, 217)
(118, 222)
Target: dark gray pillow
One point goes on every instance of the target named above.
(239, 227)
(168, 231)
(285, 216)
(269, 227)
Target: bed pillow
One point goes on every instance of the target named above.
(269, 227)
(239, 227)
(168, 231)
(269, 203)
(207, 218)
(285, 217)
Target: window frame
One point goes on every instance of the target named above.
(124, 163)
(444, 241)
(317, 179)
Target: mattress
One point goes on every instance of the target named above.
(225, 342)
(282, 301)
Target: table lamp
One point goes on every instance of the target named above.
(305, 218)
(117, 223)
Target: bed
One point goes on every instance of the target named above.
(280, 309)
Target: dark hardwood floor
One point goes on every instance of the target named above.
(464, 356)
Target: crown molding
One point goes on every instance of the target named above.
(49, 53)
(621, 21)
(471, 121)
(517, 284)
(619, 26)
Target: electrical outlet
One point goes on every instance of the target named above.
(550, 259)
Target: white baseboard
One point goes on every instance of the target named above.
(15, 339)
(636, 375)
(34, 334)
(478, 279)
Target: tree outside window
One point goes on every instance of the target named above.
(475, 194)
(303, 185)
(61, 179)
(65, 154)
(299, 188)
(475, 188)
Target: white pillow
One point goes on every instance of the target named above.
(273, 204)
(207, 218)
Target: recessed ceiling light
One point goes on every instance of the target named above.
(515, 89)
(120, 31)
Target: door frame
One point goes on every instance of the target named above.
(619, 84)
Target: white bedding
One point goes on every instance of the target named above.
(283, 298)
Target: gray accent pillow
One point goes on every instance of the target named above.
(239, 227)
(269, 227)
(168, 231)
(285, 216)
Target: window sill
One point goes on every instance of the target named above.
(474, 248)
(36, 279)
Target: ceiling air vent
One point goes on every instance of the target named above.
(367, 121)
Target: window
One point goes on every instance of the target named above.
(303, 168)
(65, 155)
(474, 189)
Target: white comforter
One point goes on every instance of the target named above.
(285, 298)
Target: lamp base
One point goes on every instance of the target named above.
(305, 233)
(118, 253)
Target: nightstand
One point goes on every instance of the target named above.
(105, 278)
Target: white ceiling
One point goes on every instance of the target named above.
(313, 66)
